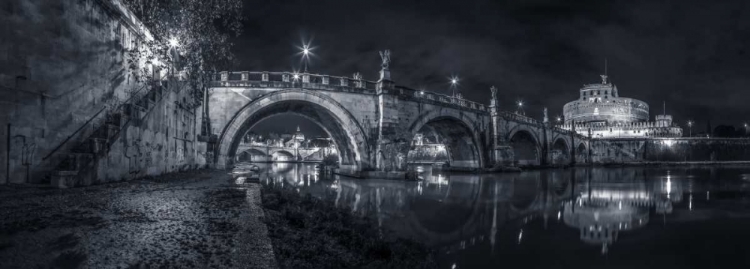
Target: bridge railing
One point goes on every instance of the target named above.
(289, 80)
(442, 98)
(531, 121)
(518, 117)
(326, 82)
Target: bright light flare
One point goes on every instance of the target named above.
(306, 51)
(173, 42)
(454, 80)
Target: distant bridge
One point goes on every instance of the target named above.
(262, 153)
(373, 123)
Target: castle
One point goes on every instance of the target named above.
(600, 112)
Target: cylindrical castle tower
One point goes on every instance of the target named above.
(601, 103)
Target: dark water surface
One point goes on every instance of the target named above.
(633, 217)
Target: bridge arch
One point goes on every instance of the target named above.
(250, 154)
(582, 153)
(282, 156)
(461, 132)
(560, 154)
(318, 107)
(526, 146)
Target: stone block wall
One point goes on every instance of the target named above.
(670, 150)
(61, 64)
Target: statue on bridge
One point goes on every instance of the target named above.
(386, 57)
(546, 119)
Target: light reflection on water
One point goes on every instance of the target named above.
(587, 217)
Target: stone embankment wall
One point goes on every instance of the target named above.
(670, 150)
(63, 66)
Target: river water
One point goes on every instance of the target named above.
(631, 217)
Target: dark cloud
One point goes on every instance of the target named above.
(691, 54)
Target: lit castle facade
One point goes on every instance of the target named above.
(602, 113)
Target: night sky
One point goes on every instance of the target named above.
(691, 54)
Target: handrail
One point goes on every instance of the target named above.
(67, 139)
(73, 134)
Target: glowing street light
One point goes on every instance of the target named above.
(559, 119)
(454, 84)
(520, 108)
(173, 42)
(306, 52)
(690, 127)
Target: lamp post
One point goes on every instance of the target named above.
(746, 129)
(305, 53)
(690, 127)
(454, 85)
(520, 108)
(174, 54)
(295, 77)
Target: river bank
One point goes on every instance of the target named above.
(311, 233)
(196, 219)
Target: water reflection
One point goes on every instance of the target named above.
(485, 220)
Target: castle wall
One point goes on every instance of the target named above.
(610, 110)
(670, 150)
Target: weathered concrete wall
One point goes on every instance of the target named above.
(670, 150)
(61, 63)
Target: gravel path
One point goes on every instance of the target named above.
(201, 219)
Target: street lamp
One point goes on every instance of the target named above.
(306, 52)
(690, 126)
(559, 119)
(454, 84)
(520, 108)
(173, 42)
(746, 128)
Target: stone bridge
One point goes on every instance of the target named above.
(373, 123)
(262, 153)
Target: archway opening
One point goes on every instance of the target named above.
(444, 140)
(582, 154)
(286, 137)
(560, 153)
(272, 130)
(283, 156)
(525, 149)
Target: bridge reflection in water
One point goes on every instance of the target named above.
(537, 217)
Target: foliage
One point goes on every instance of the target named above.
(189, 35)
(311, 233)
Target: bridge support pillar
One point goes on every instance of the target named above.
(392, 142)
(501, 151)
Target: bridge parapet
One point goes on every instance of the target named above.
(536, 123)
(291, 80)
(334, 83)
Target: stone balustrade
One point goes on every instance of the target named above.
(332, 83)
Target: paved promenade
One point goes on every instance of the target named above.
(191, 220)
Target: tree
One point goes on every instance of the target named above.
(191, 36)
(727, 131)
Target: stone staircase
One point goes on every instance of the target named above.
(78, 167)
